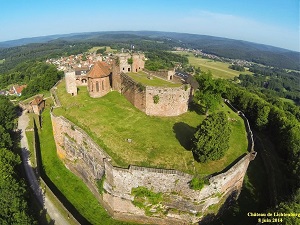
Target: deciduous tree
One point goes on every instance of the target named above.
(211, 139)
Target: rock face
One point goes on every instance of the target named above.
(180, 205)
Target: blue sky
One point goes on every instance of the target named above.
(273, 22)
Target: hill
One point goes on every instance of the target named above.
(167, 147)
(224, 47)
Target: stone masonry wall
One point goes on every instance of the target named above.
(132, 92)
(172, 101)
(87, 160)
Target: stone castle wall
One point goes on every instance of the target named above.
(133, 92)
(88, 161)
(173, 101)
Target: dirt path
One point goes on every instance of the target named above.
(55, 215)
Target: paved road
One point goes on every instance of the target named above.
(44, 200)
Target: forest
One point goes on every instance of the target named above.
(269, 117)
(38, 76)
(145, 40)
(14, 196)
(273, 81)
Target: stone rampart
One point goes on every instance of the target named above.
(184, 205)
(133, 92)
(171, 101)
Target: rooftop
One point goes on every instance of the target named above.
(100, 69)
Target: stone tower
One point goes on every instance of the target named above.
(99, 83)
(71, 83)
(122, 64)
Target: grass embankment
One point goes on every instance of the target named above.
(142, 78)
(72, 187)
(162, 142)
(218, 69)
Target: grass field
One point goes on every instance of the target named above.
(141, 77)
(156, 141)
(72, 187)
(108, 49)
(218, 69)
(2, 61)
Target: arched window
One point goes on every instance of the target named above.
(97, 86)
(103, 85)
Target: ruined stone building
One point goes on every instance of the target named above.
(71, 86)
(37, 105)
(99, 79)
(104, 77)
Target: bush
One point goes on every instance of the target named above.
(100, 183)
(197, 183)
(155, 99)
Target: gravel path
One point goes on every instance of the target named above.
(55, 215)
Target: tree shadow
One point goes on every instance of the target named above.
(194, 107)
(184, 134)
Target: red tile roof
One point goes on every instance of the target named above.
(37, 100)
(100, 69)
(19, 89)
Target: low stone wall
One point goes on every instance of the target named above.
(168, 75)
(88, 161)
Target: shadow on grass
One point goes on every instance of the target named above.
(184, 134)
(194, 107)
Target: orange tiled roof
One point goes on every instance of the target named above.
(100, 69)
(19, 89)
(37, 100)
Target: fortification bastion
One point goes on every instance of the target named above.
(180, 205)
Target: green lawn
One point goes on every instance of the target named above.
(218, 69)
(72, 187)
(108, 49)
(142, 77)
(2, 61)
(156, 141)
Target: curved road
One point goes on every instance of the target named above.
(55, 215)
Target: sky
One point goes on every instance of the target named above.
(271, 22)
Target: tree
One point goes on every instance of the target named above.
(5, 139)
(7, 113)
(292, 206)
(209, 92)
(13, 205)
(211, 139)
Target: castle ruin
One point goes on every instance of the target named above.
(104, 77)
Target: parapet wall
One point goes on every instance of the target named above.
(184, 205)
(168, 75)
